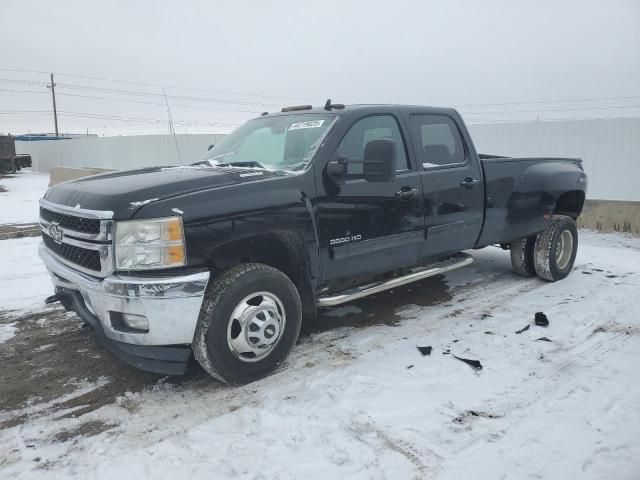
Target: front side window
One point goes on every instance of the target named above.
(437, 140)
(363, 131)
(280, 142)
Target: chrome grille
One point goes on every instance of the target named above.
(82, 257)
(78, 237)
(78, 224)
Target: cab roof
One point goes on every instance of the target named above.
(362, 107)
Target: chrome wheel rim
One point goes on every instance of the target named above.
(256, 326)
(564, 249)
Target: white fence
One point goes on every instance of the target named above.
(117, 153)
(610, 149)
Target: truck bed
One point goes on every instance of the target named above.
(520, 192)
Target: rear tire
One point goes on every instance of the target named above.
(522, 251)
(556, 248)
(249, 323)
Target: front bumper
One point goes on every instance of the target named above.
(171, 306)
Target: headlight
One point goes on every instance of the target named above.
(149, 244)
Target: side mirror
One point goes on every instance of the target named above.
(379, 163)
(337, 170)
(211, 146)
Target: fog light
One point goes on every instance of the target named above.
(136, 322)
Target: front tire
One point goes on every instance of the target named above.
(556, 248)
(249, 323)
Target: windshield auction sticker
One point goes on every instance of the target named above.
(308, 124)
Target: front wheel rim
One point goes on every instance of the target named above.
(564, 249)
(256, 326)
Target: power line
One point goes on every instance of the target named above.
(22, 91)
(255, 111)
(546, 119)
(88, 77)
(142, 102)
(150, 94)
(127, 100)
(158, 85)
(118, 118)
(137, 93)
(555, 110)
(566, 100)
(143, 119)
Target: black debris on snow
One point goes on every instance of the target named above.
(543, 339)
(524, 329)
(541, 319)
(425, 351)
(475, 364)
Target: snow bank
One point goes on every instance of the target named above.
(19, 204)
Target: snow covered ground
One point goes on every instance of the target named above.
(24, 280)
(357, 399)
(19, 196)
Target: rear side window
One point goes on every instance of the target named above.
(438, 141)
(371, 128)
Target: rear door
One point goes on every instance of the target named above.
(451, 182)
(370, 227)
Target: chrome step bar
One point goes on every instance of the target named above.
(457, 261)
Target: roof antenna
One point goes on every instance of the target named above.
(327, 105)
(172, 130)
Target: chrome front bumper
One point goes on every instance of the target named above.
(170, 304)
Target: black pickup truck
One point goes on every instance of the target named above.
(296, 210)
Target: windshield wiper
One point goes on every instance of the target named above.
(248, 164)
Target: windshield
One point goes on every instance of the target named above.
(282, 142)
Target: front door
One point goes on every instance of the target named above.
(451, 182)
(370, 227)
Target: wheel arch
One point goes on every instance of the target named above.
(570, 204)
(285, 250)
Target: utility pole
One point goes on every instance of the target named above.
(53, 96)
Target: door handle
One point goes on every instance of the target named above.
(468, 182)
(406, 193)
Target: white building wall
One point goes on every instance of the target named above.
(116, 153)
(609, 148)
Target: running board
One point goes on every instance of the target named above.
(457, 261)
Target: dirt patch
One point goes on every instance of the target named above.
(19, 230)
(54, 365)
(88, 429)
(52, 356)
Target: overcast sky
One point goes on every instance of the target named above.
(442, 53)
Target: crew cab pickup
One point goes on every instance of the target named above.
(297, 210)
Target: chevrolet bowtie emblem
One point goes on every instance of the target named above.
(56, 232)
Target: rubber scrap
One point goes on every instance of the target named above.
(543, 339)
(541, 319)
(524, 329)
(475, 364)
(424, 351)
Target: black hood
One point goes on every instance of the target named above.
(124, 192)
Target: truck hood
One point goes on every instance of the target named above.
(125, 192)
